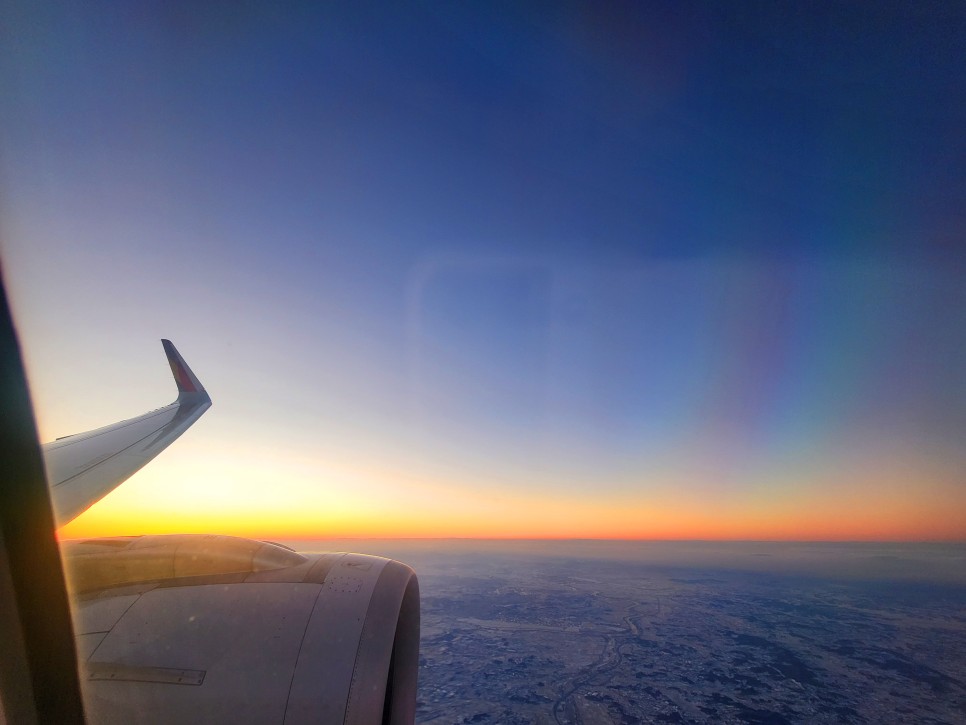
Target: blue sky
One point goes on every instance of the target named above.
(553, 249)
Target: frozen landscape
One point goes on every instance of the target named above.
(597, 632)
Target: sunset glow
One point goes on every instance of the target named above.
(320, 501)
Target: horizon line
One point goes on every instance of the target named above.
(626, 539)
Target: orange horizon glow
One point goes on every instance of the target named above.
(78, 534)
(82, 531)
(204, 488)
(528, 517)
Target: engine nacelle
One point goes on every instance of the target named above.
(219, 629)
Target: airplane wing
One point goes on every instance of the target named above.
(83, 468)
(219, 629)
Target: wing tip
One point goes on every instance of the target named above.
(186, 380)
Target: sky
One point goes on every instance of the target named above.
(549, 270)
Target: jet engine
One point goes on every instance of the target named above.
(218, 629)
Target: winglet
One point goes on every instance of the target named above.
(186, 380)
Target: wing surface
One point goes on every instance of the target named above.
(83, 468)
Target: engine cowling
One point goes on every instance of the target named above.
(221, 629)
